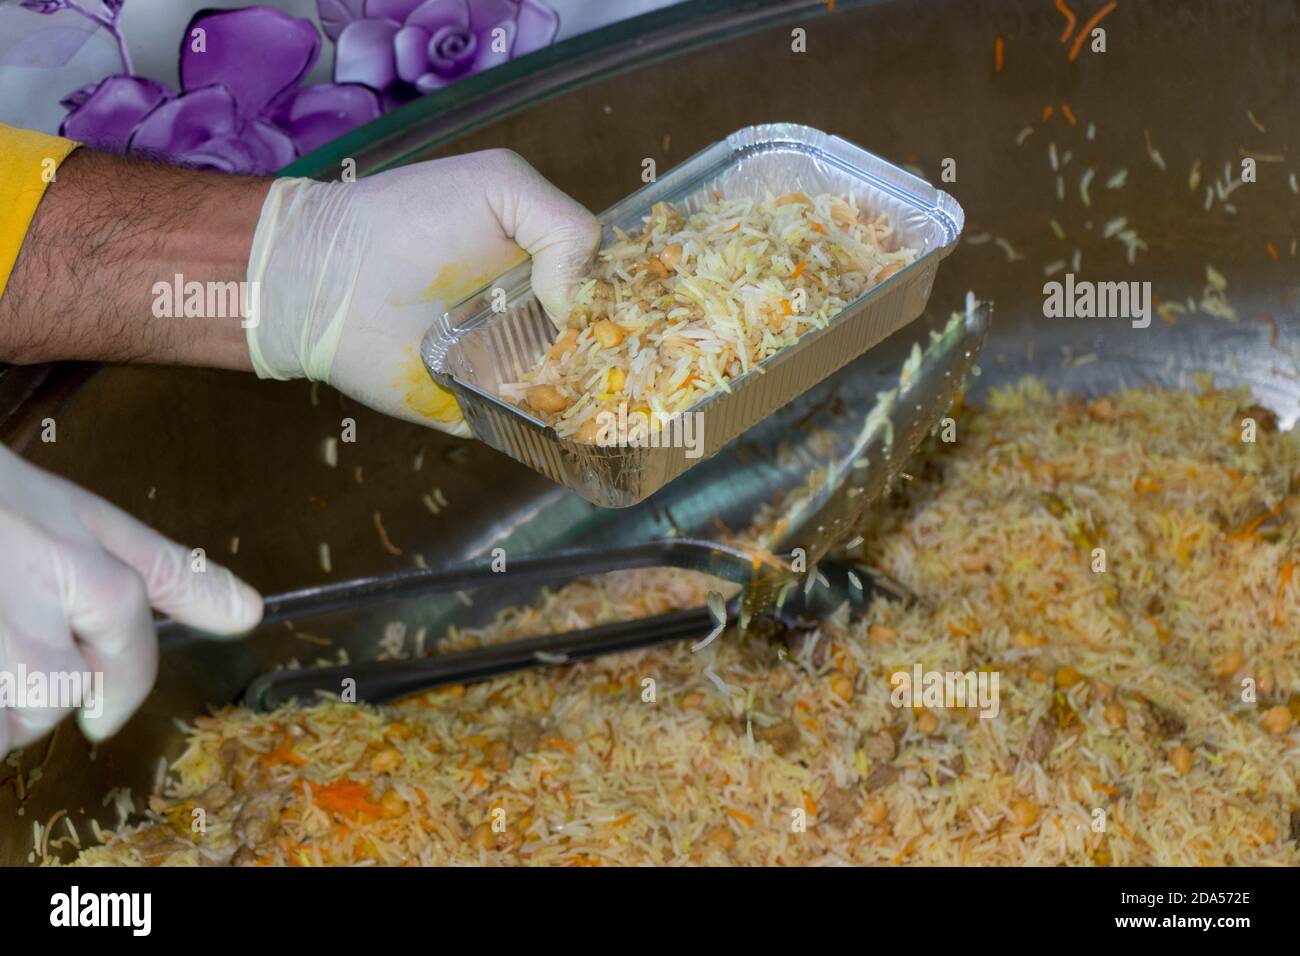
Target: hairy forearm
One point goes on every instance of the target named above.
(97, 275)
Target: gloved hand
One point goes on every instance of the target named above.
(351, 275)
(77, 579)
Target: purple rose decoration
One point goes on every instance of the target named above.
(240, 108)
(403, 48)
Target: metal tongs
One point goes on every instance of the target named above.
(865, 459)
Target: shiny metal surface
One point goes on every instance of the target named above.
(226, 456)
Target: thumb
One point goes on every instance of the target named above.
(557, 231)
(178, 582)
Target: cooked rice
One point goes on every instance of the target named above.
(677, 312)
(1120, 692)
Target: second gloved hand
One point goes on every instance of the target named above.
(350, 275)
(77, 580)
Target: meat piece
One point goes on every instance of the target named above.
(881, 776)
(1167, 723)
(244, 856)
(525, 734)
(950, 770)
(228, 756)
(215, 797)
(880, 746)
(783, 737)
(1041, 739)
(1265, 419)
(155, 845)
(258, 817)
(840, 805)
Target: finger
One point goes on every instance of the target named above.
(558, 232)
(178, 582)
(55, 682)
(40, 666)
(108, 612)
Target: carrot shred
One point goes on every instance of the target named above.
(621, 821)
(998, 45)
(1284, 579)
(1047, 112)
(347, 797)
(561, 743)
(801, 266)
(905, 851)
(283, 754)
(1069, 19)
(1068, 114)
(1087, 28)
(384, 540)
(740, 815)
(1272, 251)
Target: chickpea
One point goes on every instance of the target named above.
(1115, 714)
(1277, 720)
(483, 838)
(564, 344)
(1230, 663)
(544, 398)
(1103, 409)
(1266, 830)
(386, 760)
(875, 811)
(391, 806)
(721, 837)
(398, 730)
(607, 333)
(1067, 676)
(928, 724)
(1024, 812)
(656, 268)
(842, 687)
(589, 432)
(892, 268)
(671, 255)
(692, 700)
(1026, 640)
(880, 635)
(1181, 758)
(617, 379)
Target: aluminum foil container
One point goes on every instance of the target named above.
(501, 331)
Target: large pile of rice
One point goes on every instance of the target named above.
(677, 312)
(1121, 692)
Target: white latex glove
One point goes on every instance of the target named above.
(351, 275)
(77, 579)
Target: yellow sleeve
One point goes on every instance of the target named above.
(27, 160)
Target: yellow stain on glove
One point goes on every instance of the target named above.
(457, 280)
(453, 284)
(423, 396)
(28, 162)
